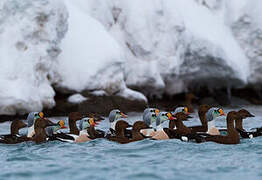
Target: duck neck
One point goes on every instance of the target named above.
(230, 126)
(179, 124)
(14, 129)
(72, 126)
(40, 135)
(203, 119)
(91, 131)
(171, 124)
(239, 124)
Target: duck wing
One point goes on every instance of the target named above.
(13, 139)
(63, 137)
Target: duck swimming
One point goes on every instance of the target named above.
(211, 116)
(39, 127)
(177, 110)
(149, 117)
(202, 110)
(14, 137)
(162, 133)
(232, 136)
(52, 130)
(87, 130)
(114, 116)
(119, 135)
(31, 120)
(243, 114)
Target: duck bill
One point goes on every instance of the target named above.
(92, 122)
(251, 115)
(157, 112)
(186, 111)
(41, 115)
(170, 117)
(221, 112)
(123, 115)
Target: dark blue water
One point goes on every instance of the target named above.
(147, 159)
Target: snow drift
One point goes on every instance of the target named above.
(30, 33)
(113, 46)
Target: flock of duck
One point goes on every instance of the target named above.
(41, 129)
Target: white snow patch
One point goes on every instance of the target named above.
(99, 93)
(76, 98)
(90, 59)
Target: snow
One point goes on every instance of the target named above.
(91, 59)
(30, 32)
(76, 98)
(109, 46)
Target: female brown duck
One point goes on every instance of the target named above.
(232, 136)
(14, 137)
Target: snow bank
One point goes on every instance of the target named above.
(170, 45)
(91, 59)
(30, 32)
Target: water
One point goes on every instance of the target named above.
(147, 159)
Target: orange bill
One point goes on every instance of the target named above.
(221, 112)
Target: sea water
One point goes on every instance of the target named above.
(147, 159)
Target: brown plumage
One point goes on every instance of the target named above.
(40, 133)
(202, 110)
(232, 136)
(14, 137)
(72, 118)
(136, 135)
(243, 113)
(181, 128)
(120, 128)
(189, 98)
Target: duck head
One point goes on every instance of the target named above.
(32, 116)
(243, 113)
(181, 109)
(149, 118)
(52, 130)
(232, 115)
(150, 110)
(162, 117)
(114, 116)
(212, 114)
(86, 123)
(16, 125)
(121, 125)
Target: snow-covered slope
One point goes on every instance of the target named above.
(30, 32)
(172, 45)
(155, 47)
